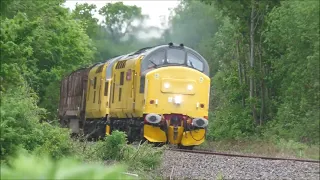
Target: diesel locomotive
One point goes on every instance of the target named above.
(159, 94)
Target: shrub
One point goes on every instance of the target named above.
(19, 115)
(54, 141)
(115, 147)
(112, 147)
(20, 126)
(230, 122)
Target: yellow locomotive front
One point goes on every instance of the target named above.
(176, 86)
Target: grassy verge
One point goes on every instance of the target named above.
(142, 159)
(111, 158)
(281, 148)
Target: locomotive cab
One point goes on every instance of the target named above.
(176, 85)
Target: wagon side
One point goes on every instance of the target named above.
(73, 100)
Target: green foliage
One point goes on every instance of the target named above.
(20, 127)
(84, 13)
(292, 37)
(19, 113)
(115, 147)
(112, 147)
(43, 167)
(291, 145)
(285, 70)
(15, 50)
(53, 141)
(230, 121)
(119, 18)
(41, 49)
(144, 158)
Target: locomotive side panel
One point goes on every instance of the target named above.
(124, 89)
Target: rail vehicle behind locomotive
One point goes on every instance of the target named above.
(157, 93)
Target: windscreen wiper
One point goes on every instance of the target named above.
(191, 64)
(153, 62)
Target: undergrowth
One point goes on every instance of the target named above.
(144, 157)
(114, 149)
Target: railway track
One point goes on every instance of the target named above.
(241, 155)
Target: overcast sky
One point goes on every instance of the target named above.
(155, 9)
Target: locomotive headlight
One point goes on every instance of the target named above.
(177, 99)
(166, 85)
(189, 87)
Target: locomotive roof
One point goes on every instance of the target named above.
(150, 50)
(147, 51)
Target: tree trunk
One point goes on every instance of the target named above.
(262, 86)
(252, 27)
(245, 69)
(240, 73)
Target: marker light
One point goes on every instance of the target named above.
(190, 87)
(177, 99)
(166, 85)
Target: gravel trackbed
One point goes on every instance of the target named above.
(182, 165)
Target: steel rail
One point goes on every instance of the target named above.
(241, 155)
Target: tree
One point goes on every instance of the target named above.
(292, 41)
(84, 13)
(41, 49)
(119, 19)
(252, 20)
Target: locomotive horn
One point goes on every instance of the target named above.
(153, 118)
(200, 122)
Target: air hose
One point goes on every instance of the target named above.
(202, 137)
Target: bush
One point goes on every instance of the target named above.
(115, 147)
(21, 128)
(230, 122)
(54, 141)
(295, 123)
(43, 167)
(112, 147)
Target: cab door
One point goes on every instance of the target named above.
(129, 89)
(118, 100)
